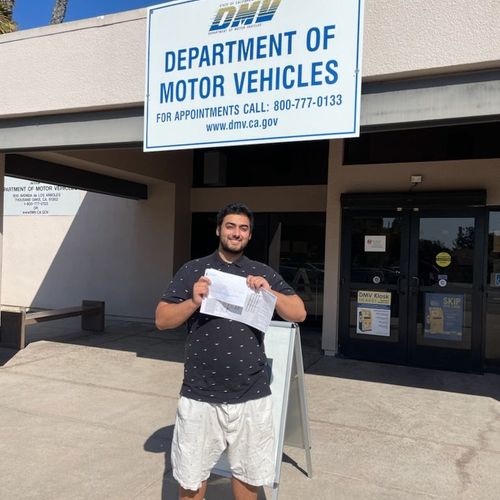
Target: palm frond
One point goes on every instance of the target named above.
(6, 25)
(59, 11)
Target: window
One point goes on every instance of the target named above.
(281, 164)
(458, 142)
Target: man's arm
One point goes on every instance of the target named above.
(169, 315)
(289, 307)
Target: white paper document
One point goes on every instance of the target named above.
(227, 287)
(230, 297)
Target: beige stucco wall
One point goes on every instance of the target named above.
(262, 199)
(88, 64)
(171, 166)
(99, 63)
(118, 250)
(113, 249)
(130, 163)
(422, 36)
(445, 176)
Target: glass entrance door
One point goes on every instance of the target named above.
(411, 287)
(373, 300)
(445, 289)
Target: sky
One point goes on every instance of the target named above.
(35, 13)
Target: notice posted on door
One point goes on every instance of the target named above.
(373, 313)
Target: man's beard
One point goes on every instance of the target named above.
(232, 250)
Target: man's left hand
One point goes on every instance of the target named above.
(289, 307)
(257, 282)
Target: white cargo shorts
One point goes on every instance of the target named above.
(204, 430)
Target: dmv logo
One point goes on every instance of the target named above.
(245, 14)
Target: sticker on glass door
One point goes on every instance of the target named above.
(373, 313)
(375, 243)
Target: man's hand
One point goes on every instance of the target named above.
(173, 315)
(258, 282)
(289, 307)
(200, 290)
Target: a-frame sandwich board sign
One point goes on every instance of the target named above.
(291, 425)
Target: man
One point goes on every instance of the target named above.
(225, 399)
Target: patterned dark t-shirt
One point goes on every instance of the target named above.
(225, 360)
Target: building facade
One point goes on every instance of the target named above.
(392, 239)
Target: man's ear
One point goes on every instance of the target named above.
(217, 231)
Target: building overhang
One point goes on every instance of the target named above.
(96, 129)
(24, 167)
(423, 102)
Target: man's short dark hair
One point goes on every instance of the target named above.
(235, 208)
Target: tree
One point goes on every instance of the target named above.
(465, 237)
(59, 11)
(7, 6)
(6, 23)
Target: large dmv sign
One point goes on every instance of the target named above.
(230, 72)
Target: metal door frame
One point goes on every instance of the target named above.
(411, 206)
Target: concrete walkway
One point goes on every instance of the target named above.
(90, 417)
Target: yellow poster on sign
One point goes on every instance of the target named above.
(443, 259)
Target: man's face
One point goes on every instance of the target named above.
(234, 233)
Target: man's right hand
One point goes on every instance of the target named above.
(171, 315)
(200, 290)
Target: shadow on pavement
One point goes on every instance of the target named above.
(146, 341)
(487, 385)
(6, 354)
(141, 338)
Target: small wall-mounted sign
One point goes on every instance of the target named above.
(27, 198)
